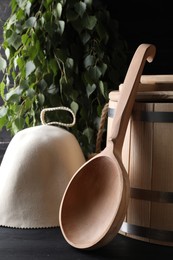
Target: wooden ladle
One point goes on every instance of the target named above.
(95, 200)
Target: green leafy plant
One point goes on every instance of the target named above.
(59, 53)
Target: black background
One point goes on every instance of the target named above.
(146, 21)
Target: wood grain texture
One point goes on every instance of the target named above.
(148, 158)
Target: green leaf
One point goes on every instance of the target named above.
(101, 86)
(85, 37)
(88, 2)
(12, 20)
(23, 85)
(53, 66)
(3, 64)
(20, 62)
(7, 53)
(27, 104)
(7, 80)
(28, 8)
(43, 84)
(90, 22)
(61, 27)
(95, 73)
(103, 68)
(7, 35)
(74, 106)
(20, 17)
(22, 3)
(3, 121)
(3, 111)
(41, 99)
(80, 8)
(30, 67)
(47, 3)
(14, 40)
(52, 89)
(30, 93)
(30, 23)
(88, 132)
(13, 95)
(33, 52)
(90, 89)
(2, 88)
(27, 120)
(25, 38)
(89, 61)
(59, 9)
(101, 30)
(69, 63)
(18, 124)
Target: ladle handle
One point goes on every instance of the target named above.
(128, 94)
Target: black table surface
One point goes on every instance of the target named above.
(49, 243)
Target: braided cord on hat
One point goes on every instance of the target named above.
(42, 116)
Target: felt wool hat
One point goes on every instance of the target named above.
(35, 170)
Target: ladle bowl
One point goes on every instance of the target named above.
(95, 203)
(95, 200)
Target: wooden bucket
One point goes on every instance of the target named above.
(148, 158)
